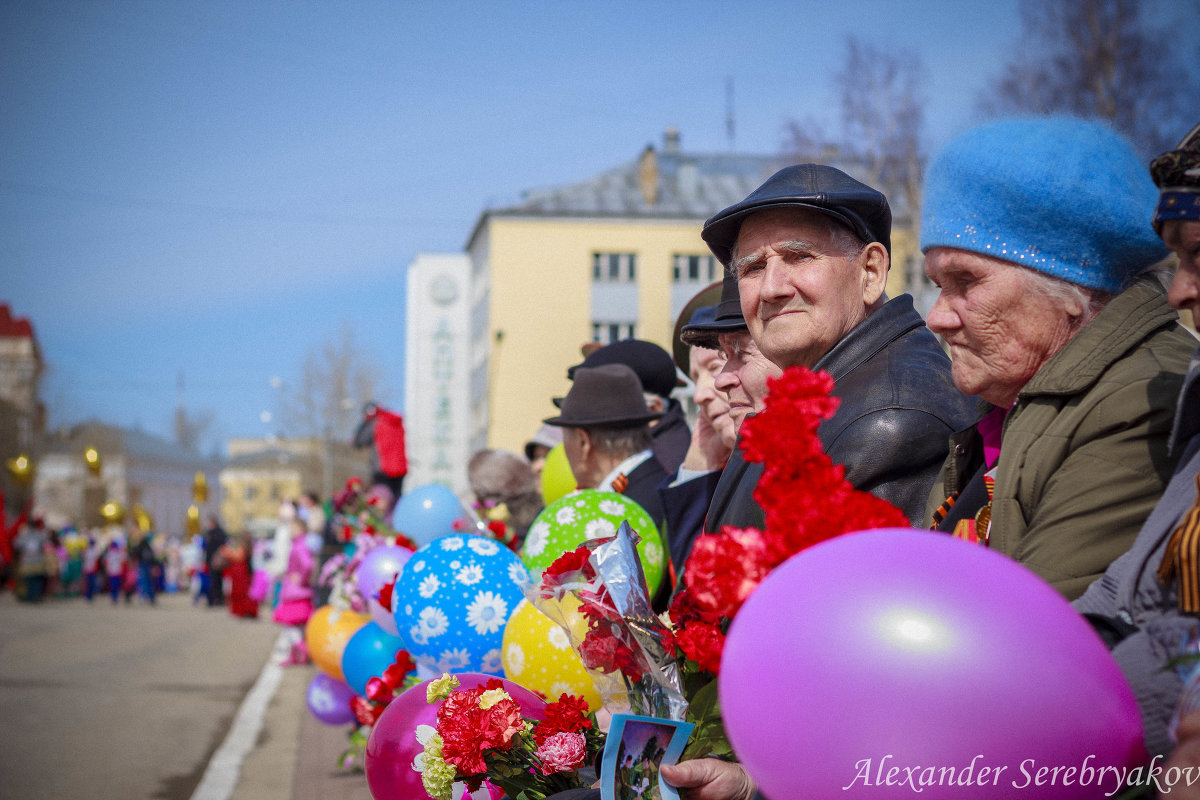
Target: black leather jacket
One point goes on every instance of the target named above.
(891, 431)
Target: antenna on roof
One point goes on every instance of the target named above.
(729, 121)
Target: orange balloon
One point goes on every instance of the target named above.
(326, 634)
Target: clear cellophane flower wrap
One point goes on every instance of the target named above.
(597, 593)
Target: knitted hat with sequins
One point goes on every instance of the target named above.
(1064, 196)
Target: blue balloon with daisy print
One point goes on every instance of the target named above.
(453, 600)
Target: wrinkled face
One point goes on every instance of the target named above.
(800, 294)
(1000, 331)
(581, 466)
(1183, 237)
(744, 376)
(703, 366)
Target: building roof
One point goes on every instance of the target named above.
(16, 327)
(667, 183)
(109, 439)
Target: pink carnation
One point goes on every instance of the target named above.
(562, 752)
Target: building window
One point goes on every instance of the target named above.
(614, 267)
(695, 269)
(251, 493)
(609, 332)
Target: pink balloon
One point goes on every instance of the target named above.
(392, 745)
(872, 654)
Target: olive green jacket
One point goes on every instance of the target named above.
(1083, 455)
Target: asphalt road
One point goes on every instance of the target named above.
(124, 702)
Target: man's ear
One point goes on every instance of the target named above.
(585, 442)
(875, 263)
(654, 403)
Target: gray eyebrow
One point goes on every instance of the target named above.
(790, 246)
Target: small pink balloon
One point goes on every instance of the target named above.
(877, 653)
(392, 745)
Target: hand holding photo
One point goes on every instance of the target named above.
(635, 750)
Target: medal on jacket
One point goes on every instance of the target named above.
(978, 530)
(1181, 560)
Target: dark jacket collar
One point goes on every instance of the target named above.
(895, 318)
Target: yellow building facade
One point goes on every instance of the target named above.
(614, 257)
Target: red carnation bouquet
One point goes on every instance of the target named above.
(628, 650)
(481, 734)
(806, 499)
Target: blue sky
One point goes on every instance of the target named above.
(217, 188)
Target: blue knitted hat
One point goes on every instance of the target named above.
(1061, 195)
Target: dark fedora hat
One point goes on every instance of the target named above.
(607, 396)
(816, 187)
(652, 365)
(706, 298)
(726, 318)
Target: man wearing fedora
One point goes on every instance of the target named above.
(606, 435)
(670, 436)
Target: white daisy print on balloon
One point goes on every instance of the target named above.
(469, 575)
(514, 656)
(599, 528)
(418, 566)
(456, 658)
(517, 573)
(565, 515)
(429, 586)
(487, 613)
(558, 638)
(452, 543)
(484, 547)
(612, 508)
(537, 538)
(491, 661)
(653, 553)
(431, 623)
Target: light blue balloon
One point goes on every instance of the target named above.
(453, 600)
(369, 652)
(427, 512)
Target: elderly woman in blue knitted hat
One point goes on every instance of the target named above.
(1036, 232)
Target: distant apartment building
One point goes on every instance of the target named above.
(22, 415)
(446, 368)
(136, 470)
(612, 257)
(260, 474)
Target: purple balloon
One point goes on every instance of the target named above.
(393, 744)
(329, 700)
(896, 649)
(379, 567)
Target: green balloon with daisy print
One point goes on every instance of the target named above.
(592, 514)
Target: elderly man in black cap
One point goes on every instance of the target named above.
(606, 435)
(654, 367)
(810, 250)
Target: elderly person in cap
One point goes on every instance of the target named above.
(654, 367)
(1148, 601)
(810, 251)
(1035, 232)
(606, 435)
(739, 383)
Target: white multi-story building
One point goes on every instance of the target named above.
(446, 380)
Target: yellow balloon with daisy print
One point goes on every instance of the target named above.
(538, 655)
(592, 514)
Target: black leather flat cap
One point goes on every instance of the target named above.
(818, 187)
(726, 317)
